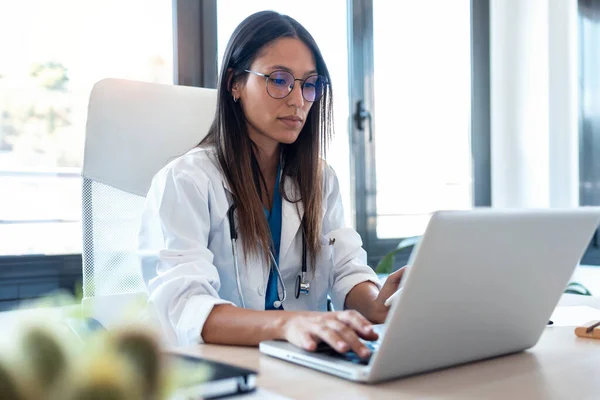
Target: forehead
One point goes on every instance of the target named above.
(287, 52)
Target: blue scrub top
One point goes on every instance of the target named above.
(274, 218)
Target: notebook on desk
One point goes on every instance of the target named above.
(482, 283)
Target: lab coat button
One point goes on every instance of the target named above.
(261, 290)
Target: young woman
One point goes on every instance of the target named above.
(248, 227)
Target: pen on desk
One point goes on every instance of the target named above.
(592, 327)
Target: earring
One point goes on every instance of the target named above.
(235, 99)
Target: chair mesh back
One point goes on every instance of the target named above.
(111, 222)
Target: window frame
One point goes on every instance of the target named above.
(363, 145)
(195, 43)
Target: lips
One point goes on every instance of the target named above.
(293, 121)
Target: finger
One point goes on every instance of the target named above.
(331, 337)
(303, 339)
(350, 337)
(360, 324)
(396, 276)
(307, 342)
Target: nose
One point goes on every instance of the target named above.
(295, 98)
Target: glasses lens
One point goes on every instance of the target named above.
(279, 84)
(313, 88)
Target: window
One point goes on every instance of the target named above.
(589, 38)
(421, 112)
(329, 28)
(589, 124)
(416, 89)
(413, 153)
(51, 54)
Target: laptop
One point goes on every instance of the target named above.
(480, 283)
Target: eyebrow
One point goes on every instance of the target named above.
(284, 68)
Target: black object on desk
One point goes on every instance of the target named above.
(209, 379)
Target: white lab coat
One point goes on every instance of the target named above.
(185, 235)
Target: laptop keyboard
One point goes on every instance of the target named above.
(324, 348)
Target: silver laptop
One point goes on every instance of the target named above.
(481, 283)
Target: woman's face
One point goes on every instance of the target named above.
(273, 121)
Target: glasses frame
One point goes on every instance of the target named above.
(303, 81)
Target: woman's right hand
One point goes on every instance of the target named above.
(340, 329)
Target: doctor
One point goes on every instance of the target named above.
(248, 227)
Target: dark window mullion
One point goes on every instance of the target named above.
(480, 103)
(195, 42)
(360, 25)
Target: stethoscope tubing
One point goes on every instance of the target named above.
(300, 283)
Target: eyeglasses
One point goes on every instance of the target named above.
(281, 83)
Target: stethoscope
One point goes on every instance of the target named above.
(302, 285)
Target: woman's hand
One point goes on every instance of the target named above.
(340, 329)
(380, 310)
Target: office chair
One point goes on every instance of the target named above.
(133, 129)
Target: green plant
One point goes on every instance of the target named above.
(386, 264)
(577, 288)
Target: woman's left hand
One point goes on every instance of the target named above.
(380, 311)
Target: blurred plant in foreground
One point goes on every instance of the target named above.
(46, 361)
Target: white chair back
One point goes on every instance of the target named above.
(133, 129)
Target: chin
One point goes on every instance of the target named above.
(288, 140)
(287, 137)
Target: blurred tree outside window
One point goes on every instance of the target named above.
(51, 54)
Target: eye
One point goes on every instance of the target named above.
(279, 81)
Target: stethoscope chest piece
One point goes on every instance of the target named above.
(302, 287)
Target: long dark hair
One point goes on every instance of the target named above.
(236, 153)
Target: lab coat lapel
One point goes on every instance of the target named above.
(291, 216)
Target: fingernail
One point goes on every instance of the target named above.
(365, 353)
(341, 345)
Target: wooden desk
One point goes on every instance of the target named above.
(560, 366)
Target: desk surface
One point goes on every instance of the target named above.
(560, 366)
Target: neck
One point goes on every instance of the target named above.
(267, 156)
(268, 161)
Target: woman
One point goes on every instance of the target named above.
(258, 174)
